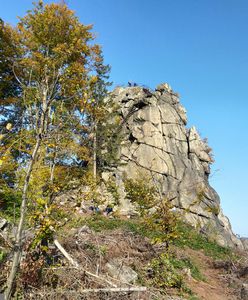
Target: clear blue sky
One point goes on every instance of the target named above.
(200, 47)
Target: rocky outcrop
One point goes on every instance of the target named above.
(159, 147)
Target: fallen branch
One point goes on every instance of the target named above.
(76, 265)
(65, 253)
(103, 290)
(114, 290)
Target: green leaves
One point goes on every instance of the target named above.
(164, 274)
(141, 193)
(155, 211)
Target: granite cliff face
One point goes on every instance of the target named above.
(158, 146)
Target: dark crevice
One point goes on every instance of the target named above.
(147, 92)
(192, 212)
(146, 168)
(140, 104)
(187, 139)
(131, 138)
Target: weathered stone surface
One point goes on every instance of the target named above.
(197, 146)
(117, 269)
(158, 145)
(245, 243)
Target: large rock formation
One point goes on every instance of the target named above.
(157, 145)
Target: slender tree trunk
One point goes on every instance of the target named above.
(52, 169)
(19, 234)
(94, 151)
(18, 241)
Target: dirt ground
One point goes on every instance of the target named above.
(220, 284)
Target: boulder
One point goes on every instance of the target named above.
(117, 269)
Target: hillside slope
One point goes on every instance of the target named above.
(118, 259)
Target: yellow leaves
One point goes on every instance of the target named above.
(93, 79)
(9, 126)
(85, 95)
(41, 201)
(96, 49)
(56, 188)
(51, 145)
(6, 158)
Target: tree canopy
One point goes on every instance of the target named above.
(51, 72)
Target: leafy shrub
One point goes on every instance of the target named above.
(155, 210)
(187, 263)
(141, 194)
(163, 274)
(44, 221)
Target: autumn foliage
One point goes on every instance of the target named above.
(52, 84)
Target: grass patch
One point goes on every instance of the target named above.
(186, 235)
(189, 237)
(187, 263)
(101, 223)
(193, 297)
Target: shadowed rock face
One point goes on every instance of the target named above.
(157, 145)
